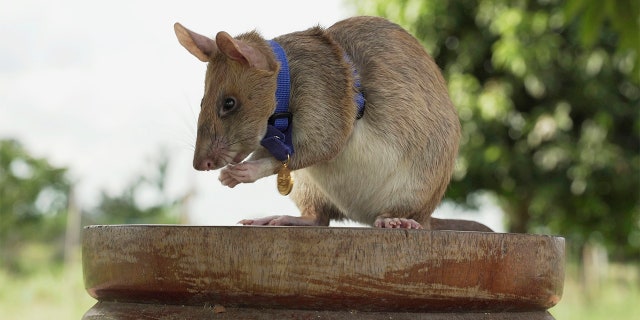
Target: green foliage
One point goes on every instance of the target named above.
(33, 202)
(548, 99)
(144, 200)
(623, 16)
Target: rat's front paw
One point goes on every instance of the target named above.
(227, 179)
(246, 172)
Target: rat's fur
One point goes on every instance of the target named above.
(389, 169)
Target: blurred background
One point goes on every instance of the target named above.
(98, 108)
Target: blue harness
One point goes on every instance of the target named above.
(278, 139)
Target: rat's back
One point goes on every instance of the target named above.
(402, 152)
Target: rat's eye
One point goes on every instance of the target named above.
(228, 105)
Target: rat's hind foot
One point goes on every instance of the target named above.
(280, 221)
(401, 223)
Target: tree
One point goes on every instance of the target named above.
(550, 116)
(144, 200)
(622, 16)
(33, 202)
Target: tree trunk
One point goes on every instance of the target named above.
(517, 211)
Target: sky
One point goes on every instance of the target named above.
(102, 87)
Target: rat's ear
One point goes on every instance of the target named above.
(240, 51)
(199, 45)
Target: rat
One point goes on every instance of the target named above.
(367, 132)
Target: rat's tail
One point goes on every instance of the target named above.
(458, 225)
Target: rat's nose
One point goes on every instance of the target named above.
(204, 165)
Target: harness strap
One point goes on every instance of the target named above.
(278, 139)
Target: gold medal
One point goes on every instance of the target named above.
(285, 180)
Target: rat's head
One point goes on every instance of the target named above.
(239, 95)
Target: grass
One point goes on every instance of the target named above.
(51, 294)
(58, 293)
(616, 297)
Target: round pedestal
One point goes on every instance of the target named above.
(334, 273)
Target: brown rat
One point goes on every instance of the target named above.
(389, 168)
